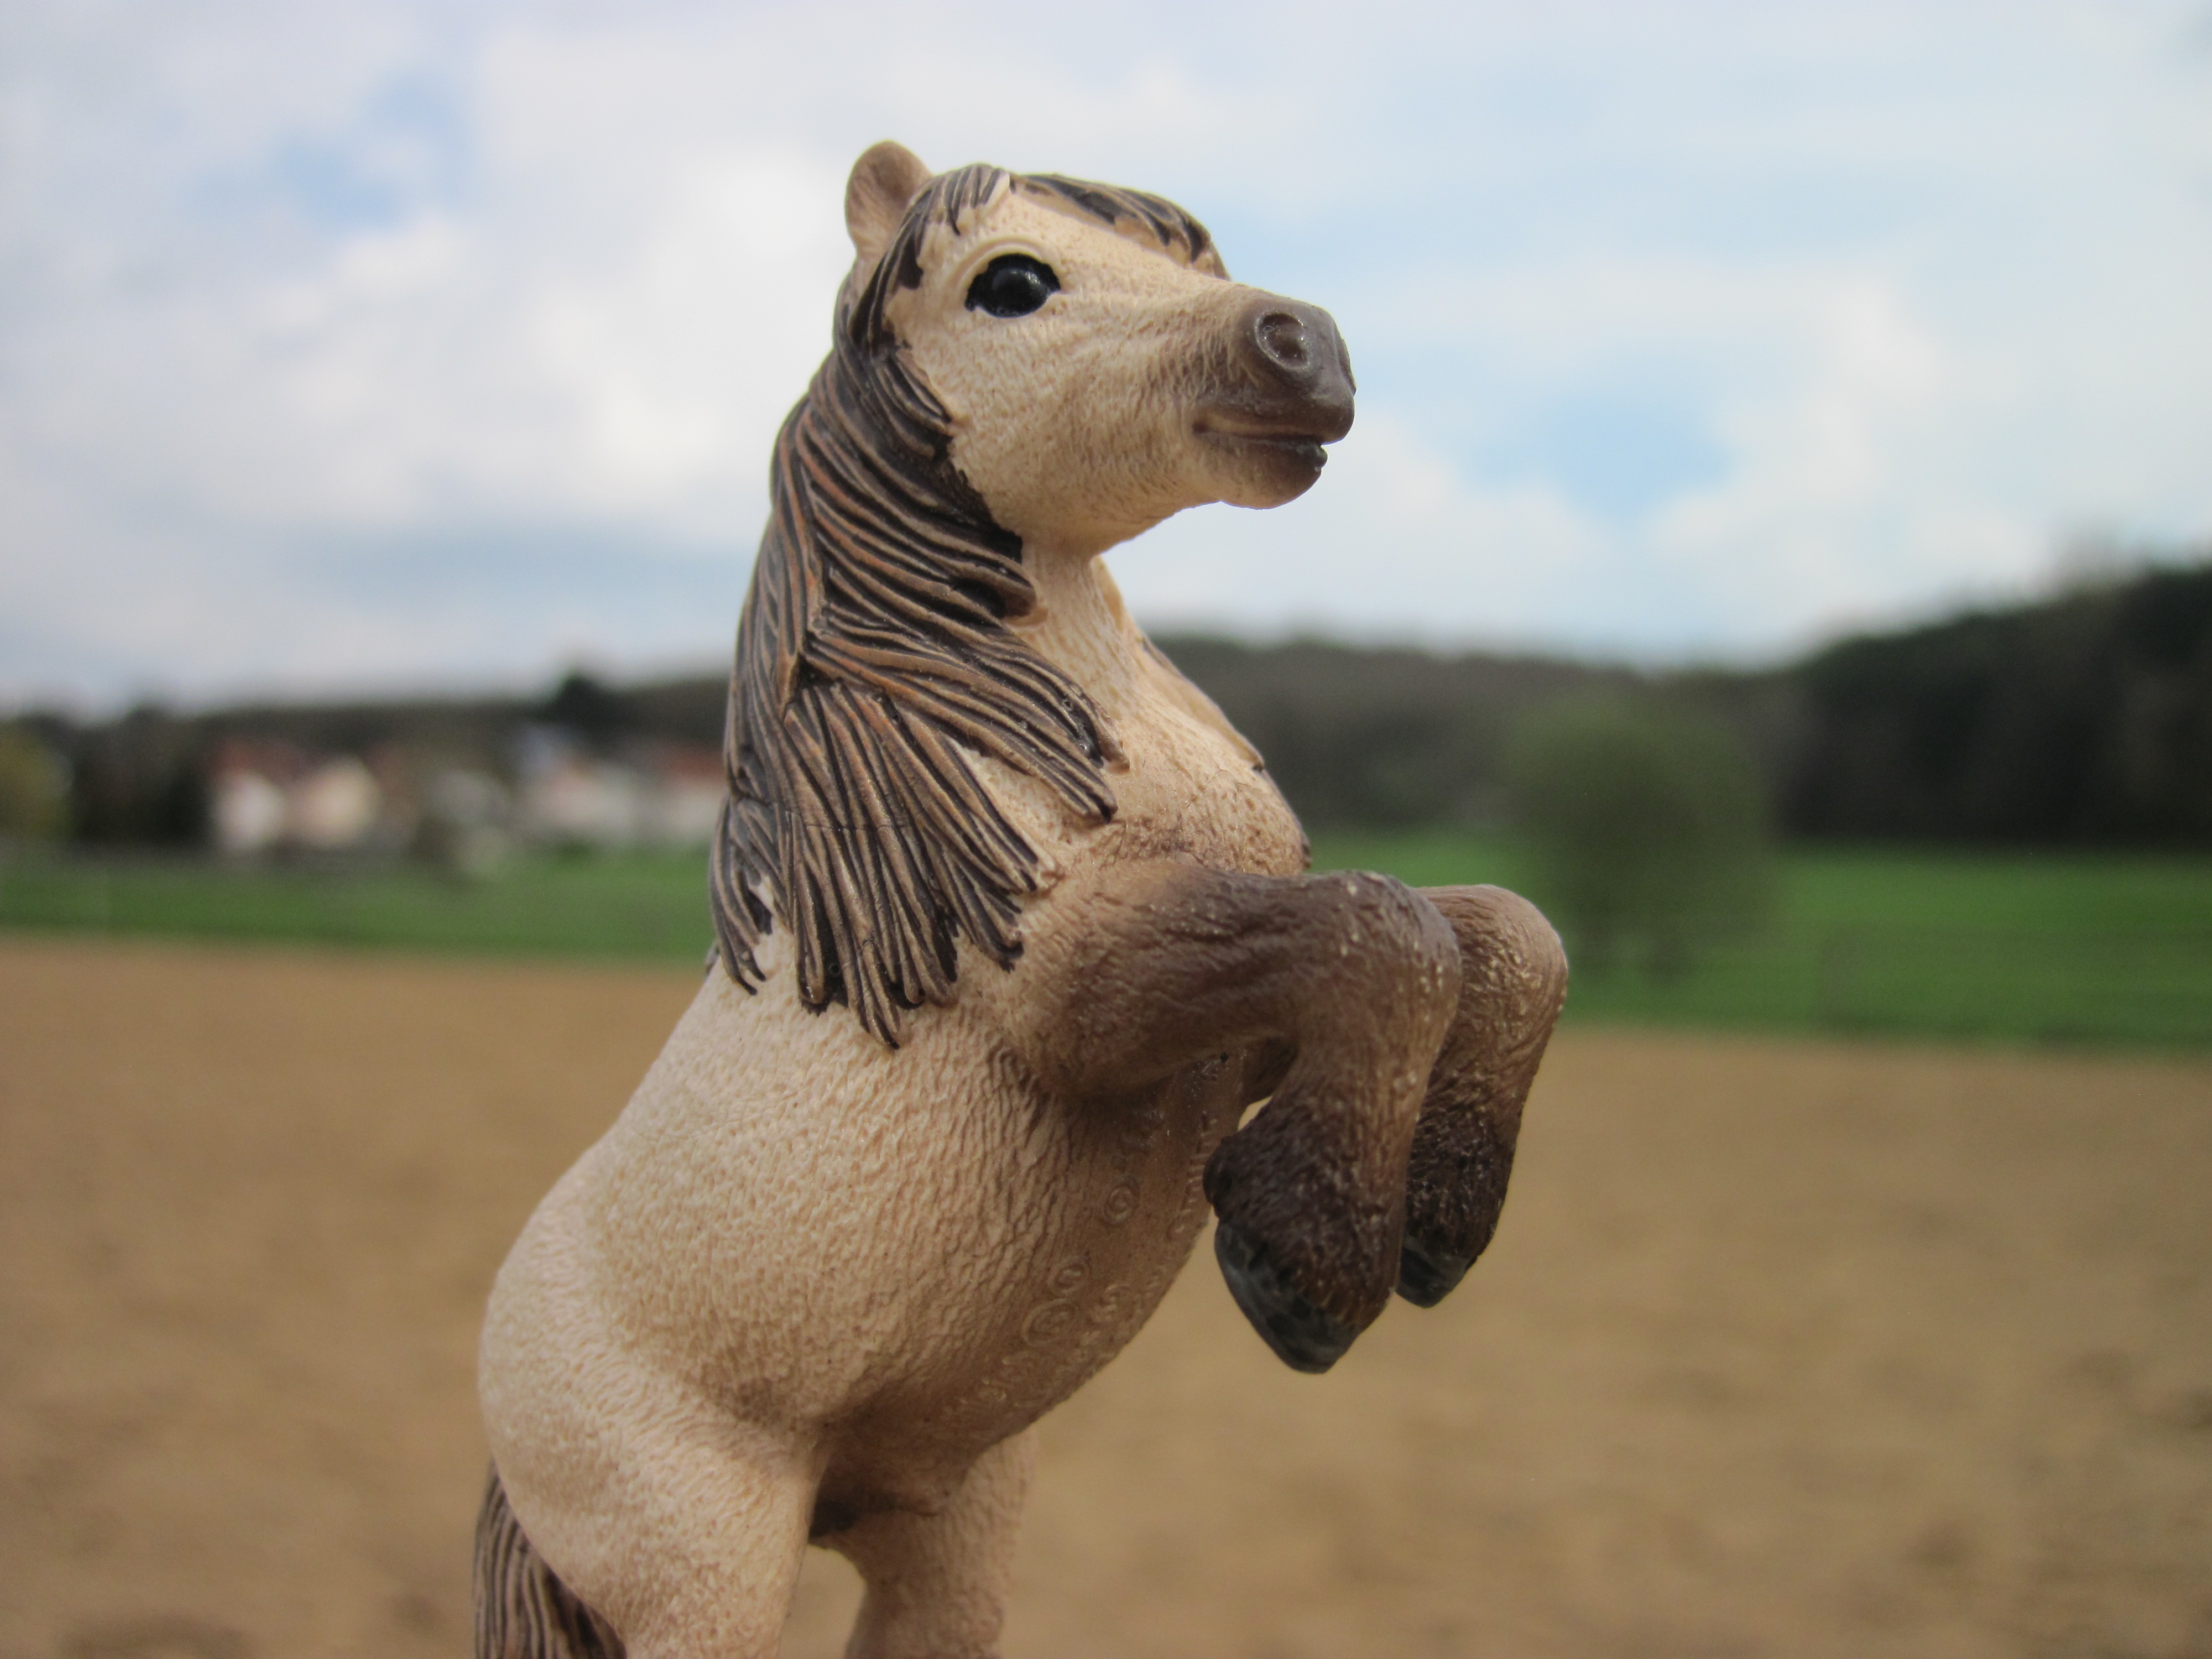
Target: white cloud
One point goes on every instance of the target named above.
(347, 344)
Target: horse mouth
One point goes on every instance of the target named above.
(1284, 446)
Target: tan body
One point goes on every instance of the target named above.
(811, 1285)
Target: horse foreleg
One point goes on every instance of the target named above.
(936, 1583)
(1153, 966)
(1513, 980)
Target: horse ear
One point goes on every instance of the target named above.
(885, 179)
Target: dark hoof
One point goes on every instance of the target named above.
(1426, 1277)
(1304, 1337)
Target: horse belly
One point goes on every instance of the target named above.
(907, 1255)
(1099, 1222)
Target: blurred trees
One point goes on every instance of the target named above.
(2084, 718)
(141, 780)
(34, 788)
(1382, 738)
(586, 707)
(1647, 830)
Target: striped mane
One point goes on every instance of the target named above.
(873, 655)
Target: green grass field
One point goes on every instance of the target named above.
(2058, 948)
(650, 906)
(2087, 948)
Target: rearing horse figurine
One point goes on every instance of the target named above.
(1013, 929)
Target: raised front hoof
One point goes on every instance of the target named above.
(1302, 1336)
(1426, 1277)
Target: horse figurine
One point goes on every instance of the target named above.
(832, 1262)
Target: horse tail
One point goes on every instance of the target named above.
(523, 1611)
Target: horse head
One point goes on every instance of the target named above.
(1096, 367)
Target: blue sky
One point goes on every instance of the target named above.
(356, 346)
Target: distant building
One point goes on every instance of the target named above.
(577, 800)
(687, 788)
(275, 797)
(247, 809)
(334, 808)
(666, 795)
(269, 796)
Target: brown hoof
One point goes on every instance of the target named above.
(1426, 1277)
(1304, 1337)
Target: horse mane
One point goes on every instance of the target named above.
(873, 653)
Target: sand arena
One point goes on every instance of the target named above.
(1783, 1348)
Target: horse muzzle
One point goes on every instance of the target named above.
(1287, 391)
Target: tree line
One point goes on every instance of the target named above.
(2084, 718)
(2081, 719)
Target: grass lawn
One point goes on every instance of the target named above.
(649, 906)
(2100, 948)
(2105, 949)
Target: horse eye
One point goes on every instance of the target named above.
(1013, 285)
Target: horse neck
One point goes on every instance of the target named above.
(1080, 626)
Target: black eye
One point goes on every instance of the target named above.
(1013, 285)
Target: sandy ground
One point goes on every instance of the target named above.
(1784, 1349)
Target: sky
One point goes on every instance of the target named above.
(360, 347)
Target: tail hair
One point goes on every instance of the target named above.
(523, 1610)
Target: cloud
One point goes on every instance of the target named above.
(346, 345)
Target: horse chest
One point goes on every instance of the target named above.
(1191, 790)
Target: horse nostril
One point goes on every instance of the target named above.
(1288, 367)
(1283, 337)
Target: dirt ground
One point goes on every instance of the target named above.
(1783, 1349)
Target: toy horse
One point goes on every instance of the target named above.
(1012, 931)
